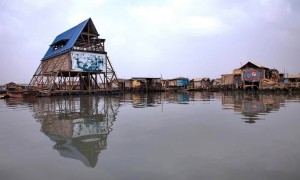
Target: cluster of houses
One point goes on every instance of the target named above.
(76, 63)
(248, 76)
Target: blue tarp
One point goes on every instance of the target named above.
(182, 82)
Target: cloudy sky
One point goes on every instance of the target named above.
(167, 38)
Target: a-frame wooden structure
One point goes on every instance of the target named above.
(76, 63)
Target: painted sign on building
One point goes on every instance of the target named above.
(252, 75)
(82, 61)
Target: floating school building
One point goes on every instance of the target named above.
(76, 63)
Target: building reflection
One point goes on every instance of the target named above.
(178, 97)
(79, 126)
(143, 100)
(252, 105)
(204, 96)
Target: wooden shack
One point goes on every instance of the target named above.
(231, 81)
(146, 84)
(200, 83)
(125, 84)
(227, 81)
(252, 74)
(292, 78)
(179, 82)
(216, 83)
(75, 63)
(292, 81)
(260, 77)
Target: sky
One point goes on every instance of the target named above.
(158, 38)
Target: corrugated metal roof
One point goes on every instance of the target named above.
(70, 36)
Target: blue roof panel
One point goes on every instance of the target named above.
(70, 36)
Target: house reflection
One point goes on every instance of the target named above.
(252, 106)
(204, 96)
(79, 126)
(143, 100)
(178, 97)
(146, 100)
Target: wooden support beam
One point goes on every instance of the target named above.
(89, 34)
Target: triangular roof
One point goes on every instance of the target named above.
(252, 64)
(75, 148)
(67, 39)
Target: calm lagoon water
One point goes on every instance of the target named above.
(176, 136)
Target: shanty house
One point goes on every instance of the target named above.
(292, 78)
(201, 82)
(258, 77)
(179, 82)
(252, 74)
(216, 82)
(231, 81)
(146, 83)
(124, 84)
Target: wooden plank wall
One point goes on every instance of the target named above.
(59, 63)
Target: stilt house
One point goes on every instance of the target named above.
(252, 74)
(180, 82)
(75, 63)
(201, 83)
(146, 83)
(258, 77)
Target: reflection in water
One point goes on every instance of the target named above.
(253, 105)
(208, 130)
(79, 126)
(142, 100)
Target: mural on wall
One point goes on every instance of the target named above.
(82, 61)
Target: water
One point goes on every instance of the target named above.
(151, 136)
